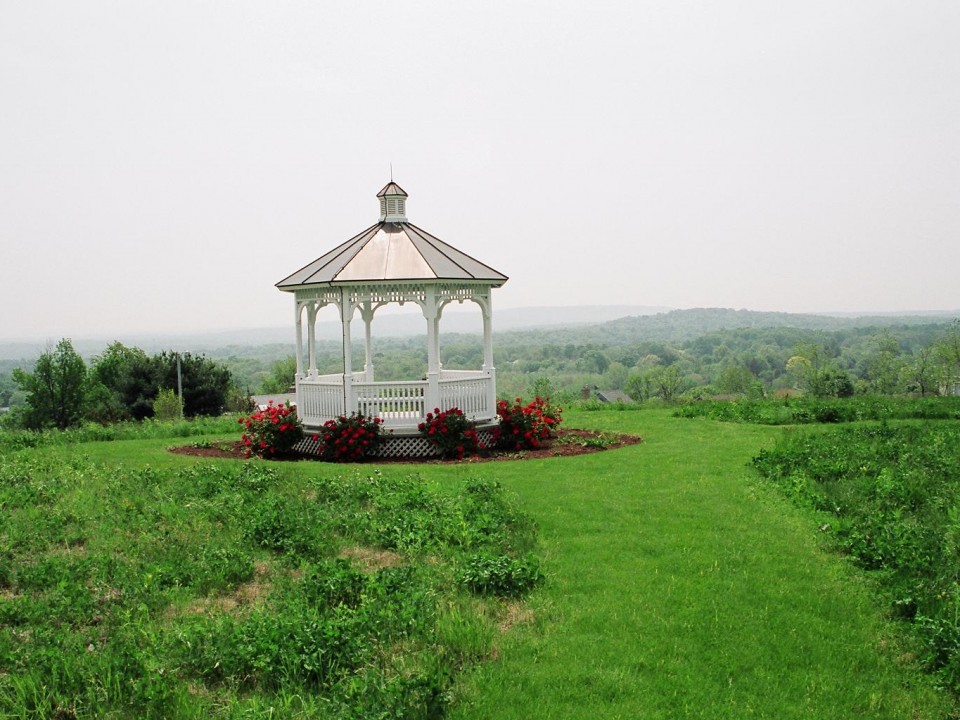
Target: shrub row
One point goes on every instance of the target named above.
(892, 497)
(800, 411)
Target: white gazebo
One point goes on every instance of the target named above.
(391, 262)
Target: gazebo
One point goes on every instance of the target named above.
(391, 262)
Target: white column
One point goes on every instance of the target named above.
(491, 372)
(312, 338)
(366, 312)
(487, 334)
(346, 314)
(432, 399)
(299, 324)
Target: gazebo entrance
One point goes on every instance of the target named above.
(391, 262)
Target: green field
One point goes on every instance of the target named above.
(677, 584)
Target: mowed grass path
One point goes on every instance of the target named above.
(680, 587)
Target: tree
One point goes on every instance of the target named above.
(668, 382)
(884, 364)
(639, 386)
(736, 380)
(947, 353)
(281, 376)
(831, 381)
(56, 389)
(920, 372)
(205, 382)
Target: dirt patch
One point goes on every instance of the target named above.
(246, 595)
(568, 442)
(372, 559)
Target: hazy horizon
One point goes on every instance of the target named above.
(164, 165)
(455, 321)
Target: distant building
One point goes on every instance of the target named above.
(614, 396)
(262, 402)
(950, 388)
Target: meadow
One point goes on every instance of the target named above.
(668, 579)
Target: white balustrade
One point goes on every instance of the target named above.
(400, 405)
(396, 403)
(318, 402)
(470, 395)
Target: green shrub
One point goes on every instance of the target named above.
(166, 406)
(501, 575)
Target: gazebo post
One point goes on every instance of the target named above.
(299, 322)
(346, 314)
(366, 312)
(430, 313)
(312, 338)
(487, 311)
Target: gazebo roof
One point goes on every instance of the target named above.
(392, 250)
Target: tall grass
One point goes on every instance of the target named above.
(891, 496)
(225, 589)
(148, 429)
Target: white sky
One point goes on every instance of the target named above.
(163, 164)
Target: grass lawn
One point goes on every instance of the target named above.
(681, 587)
(678, 586)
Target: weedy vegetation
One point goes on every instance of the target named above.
(890, 496)
(237, 589)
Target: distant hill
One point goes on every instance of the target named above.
(385, 325)
(603, 324)
(681, 325)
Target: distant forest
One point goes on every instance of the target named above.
(673, 355)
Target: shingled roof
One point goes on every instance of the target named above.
(392, 250)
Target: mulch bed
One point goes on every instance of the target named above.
(567, 443)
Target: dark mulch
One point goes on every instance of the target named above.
(568, 442)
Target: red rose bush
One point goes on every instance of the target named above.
(271, 432)
(526, 427)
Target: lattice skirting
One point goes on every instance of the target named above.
(394, 445)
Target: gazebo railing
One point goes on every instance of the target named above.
(468, 394)
(317, 402)
(402, 405)
(396, 403)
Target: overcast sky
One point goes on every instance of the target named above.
(163, 164)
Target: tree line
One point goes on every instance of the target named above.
(703, 358)
(749, 361)
(122, 383)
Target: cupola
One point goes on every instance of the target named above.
(393, 203)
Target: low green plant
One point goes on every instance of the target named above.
(225, 589)
(500, 575)
(601, 441)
